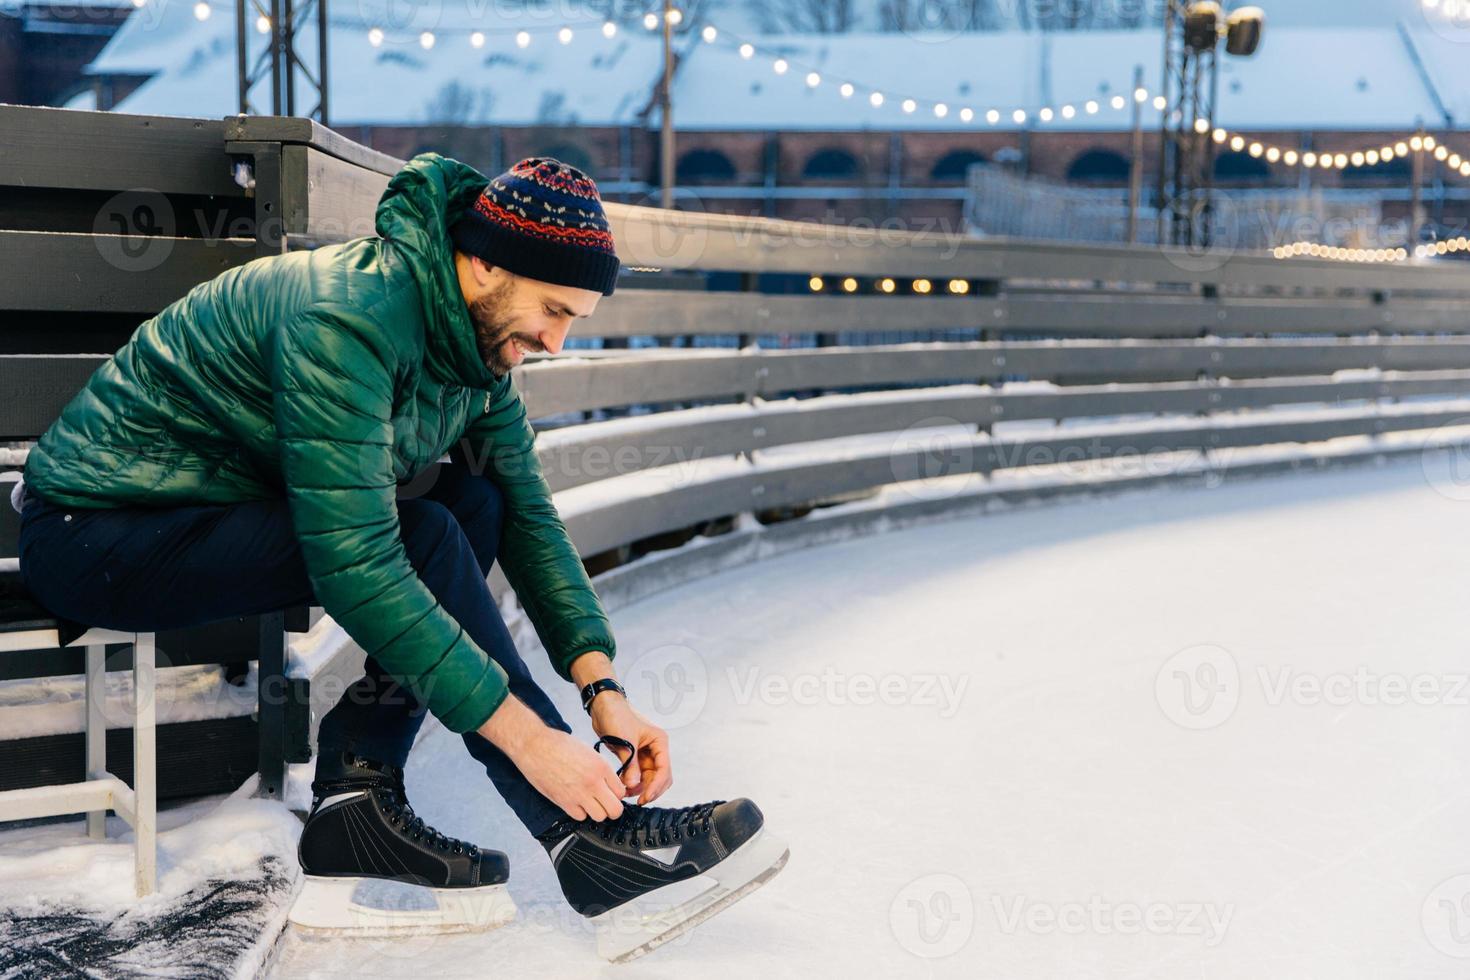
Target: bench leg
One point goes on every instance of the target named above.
(145, 767)
(96, 730)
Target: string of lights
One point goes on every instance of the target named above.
(995, 116)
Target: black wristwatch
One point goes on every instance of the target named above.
(597, 687)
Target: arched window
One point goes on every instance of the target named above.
(954, 165)
(569, 153)
(1099, 166)
(831, 164)
(1239, 167)
(704, 167)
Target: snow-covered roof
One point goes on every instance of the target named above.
(1367, 77)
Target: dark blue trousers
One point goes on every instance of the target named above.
(139, 568)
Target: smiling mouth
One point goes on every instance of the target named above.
(520, 349)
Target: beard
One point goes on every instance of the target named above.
(491, 317)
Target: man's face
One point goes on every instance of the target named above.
(515, 316)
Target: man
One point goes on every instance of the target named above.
(248, 450)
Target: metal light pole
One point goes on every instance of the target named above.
(1193, 30)
(666, 111)
(281, 59)
(1135, 168)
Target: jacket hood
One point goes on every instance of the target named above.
(415, 213)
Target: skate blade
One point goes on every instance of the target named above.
(624, 934)
(325, 907)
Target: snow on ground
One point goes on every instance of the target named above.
(1183, 733)
(226, 873)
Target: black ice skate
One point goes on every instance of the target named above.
(655, 873)
(362, 827)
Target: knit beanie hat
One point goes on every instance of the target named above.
(542, 219)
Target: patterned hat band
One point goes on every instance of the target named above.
(542, 219)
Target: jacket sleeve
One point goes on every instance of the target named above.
(332, 372)
(536, 554)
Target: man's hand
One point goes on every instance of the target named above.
(653, 772)
(562, 768)
(613, 715)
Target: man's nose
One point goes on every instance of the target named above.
(554, 339)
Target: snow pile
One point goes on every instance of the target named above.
(227, 872)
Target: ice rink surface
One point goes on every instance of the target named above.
(1203, 733)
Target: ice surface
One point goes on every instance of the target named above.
(1185, 733)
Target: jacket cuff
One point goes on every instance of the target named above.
(488, 694)
(563, 663)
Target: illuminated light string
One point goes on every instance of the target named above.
(1339, 160)
(1446, 247)
(1318, 251)
(780, 65)
(887, 284)
(995, 116)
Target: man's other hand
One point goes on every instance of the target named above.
(653, 772)
(563, 769)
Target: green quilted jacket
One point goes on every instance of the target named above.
(329, 377)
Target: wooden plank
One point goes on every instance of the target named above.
(145, 767)
(576, 382)
(45, 147)
(683, 240)
(328, 199)
(195, 758)
(95, 732)
(308, 132)
(672, 313)
(54, 801)
(641, 514)
(37, 388)
(109, 273)
(588, 453)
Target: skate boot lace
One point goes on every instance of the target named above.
(656, 826)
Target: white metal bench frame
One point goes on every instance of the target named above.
(101, 790)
